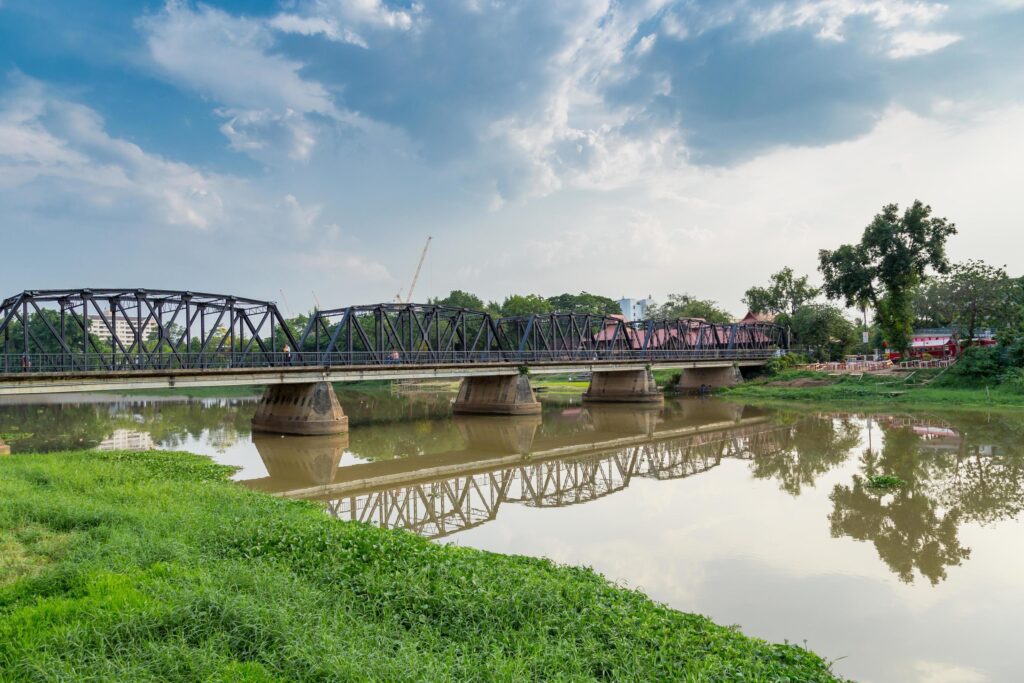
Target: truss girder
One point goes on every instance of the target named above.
(136, 329)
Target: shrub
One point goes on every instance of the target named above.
(978, 364)
(1013, 380)
(885, 481)
(786, 362)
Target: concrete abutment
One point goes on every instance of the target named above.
(301, 409)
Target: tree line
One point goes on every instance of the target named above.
(900, 278)
(675, 306)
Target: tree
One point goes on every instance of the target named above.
(973, 296)
(528, 304)
(584, 302)
(686, 306)
(785, 294)
(460, 299)
(824, 329)
(892, 258)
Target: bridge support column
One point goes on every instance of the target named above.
(695, 380)
(497, 395)
(303, 409)
(623, 386)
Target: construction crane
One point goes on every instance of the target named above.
(415, 276)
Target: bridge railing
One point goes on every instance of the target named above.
(119, 362)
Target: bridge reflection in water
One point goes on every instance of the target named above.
(507, 461)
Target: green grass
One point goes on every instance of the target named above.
(559, 386)
(152, 566)
(873, 391)
(885, 482)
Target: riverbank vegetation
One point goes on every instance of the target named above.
(146, 566)
(958, 386)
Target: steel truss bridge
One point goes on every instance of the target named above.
(95, 339)
(445, 499)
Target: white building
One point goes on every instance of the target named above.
(98, 328)
(635, 309)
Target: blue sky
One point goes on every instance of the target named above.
(625, 148)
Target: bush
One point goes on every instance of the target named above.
(978, 364)
(1013, 381)
(780, 363)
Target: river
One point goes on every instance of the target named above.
(756, 517)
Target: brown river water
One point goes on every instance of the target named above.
(753, 516)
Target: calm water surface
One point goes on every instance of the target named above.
(754, 517)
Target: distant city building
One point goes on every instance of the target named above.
(99, 329)
(635, 309)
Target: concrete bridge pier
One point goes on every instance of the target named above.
(623, 386)
(303, 409)
(496, 395)
(695, 380)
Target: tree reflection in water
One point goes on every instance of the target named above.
(966, 469)
(908, 529)
(815, 446)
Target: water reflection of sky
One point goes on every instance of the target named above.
(776, 533)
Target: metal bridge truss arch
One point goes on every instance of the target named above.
(137, 329)
(424, 333)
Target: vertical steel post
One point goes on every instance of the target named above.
(64, 356)
(202, 335)
(24, 330)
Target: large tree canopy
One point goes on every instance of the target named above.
(460, 299)
(973, 296)
(892, 258)
(686, 306)
(785, 294)
(524, 304)
(823, 330)
(584, 302)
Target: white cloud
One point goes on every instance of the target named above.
(60, 169)
(644, 45)
(261, 133)
(341, 264)
(226, 57)
(368, 12)
(268, 107)
(345, 20)
(830, 16)
(47, 142)
(916, 43)
(312, 26)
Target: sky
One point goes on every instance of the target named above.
(303, 150)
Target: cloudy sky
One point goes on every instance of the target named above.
(624, 148)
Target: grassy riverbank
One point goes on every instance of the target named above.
(873, 390)
(147, 566)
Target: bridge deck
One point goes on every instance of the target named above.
(123, 380)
